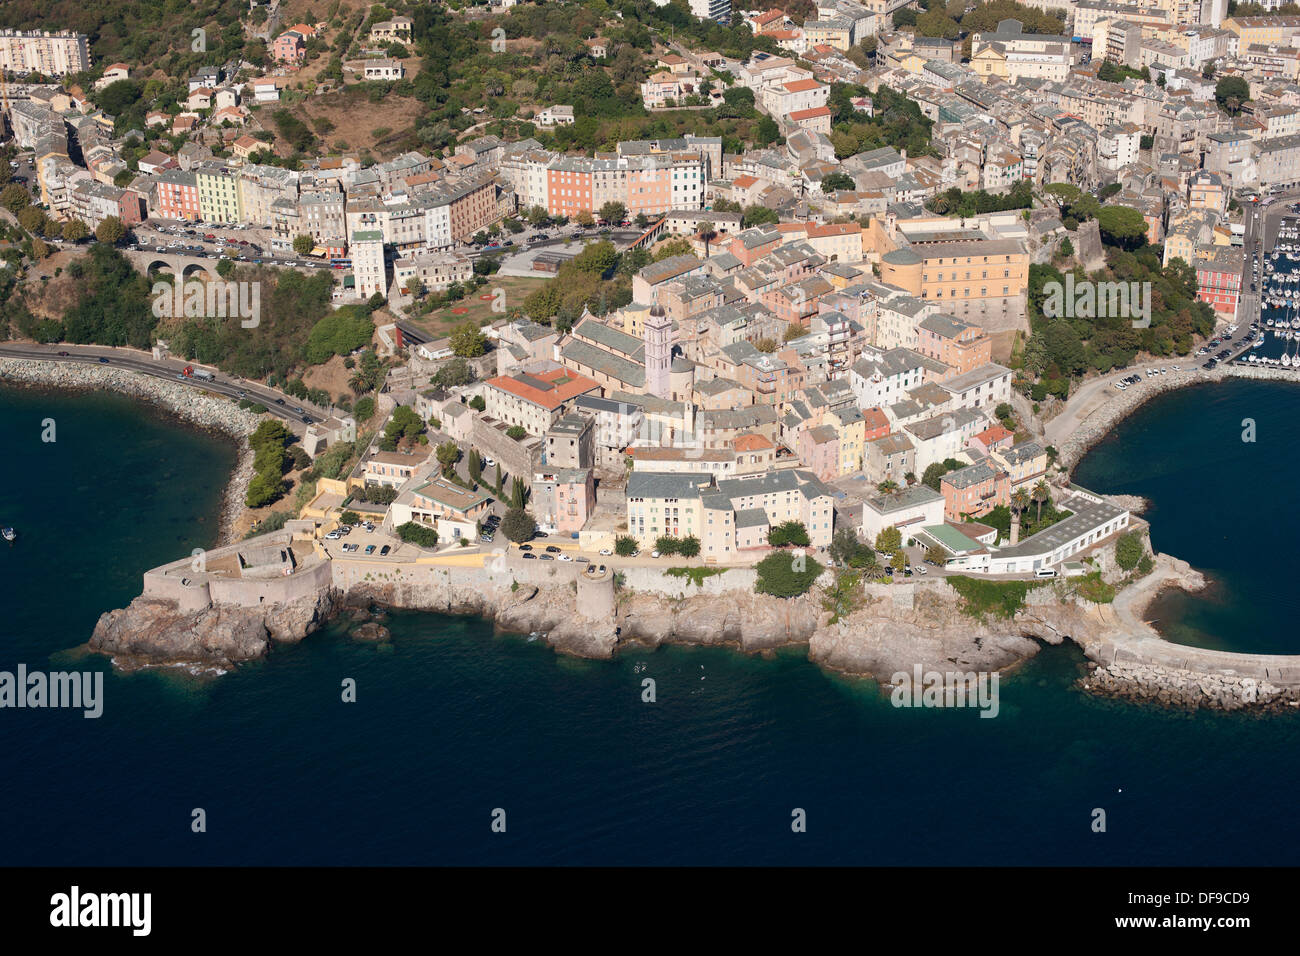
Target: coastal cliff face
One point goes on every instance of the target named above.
(895, 628)
(881, 640)
(151, 632)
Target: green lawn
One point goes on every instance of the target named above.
(440, 322)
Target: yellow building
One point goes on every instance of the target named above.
(982, 281)
(1263, 31)
(219, 199)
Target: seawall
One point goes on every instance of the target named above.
(893, 628)
(1102, 421)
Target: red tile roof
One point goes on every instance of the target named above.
(563, 386)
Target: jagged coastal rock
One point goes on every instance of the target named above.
(150, 632)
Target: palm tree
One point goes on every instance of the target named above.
(1019, 502)
(888, 486)
(706, 233)
(1041, 493)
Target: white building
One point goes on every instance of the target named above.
(369, 273)
(908, 510)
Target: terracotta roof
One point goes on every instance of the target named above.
(552, 390)
(816, 111)
(994, 434)
(799, 86)
(751, 442)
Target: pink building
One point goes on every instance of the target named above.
(819, 450)
(563, 499)
(176, 195)
(289, 47)
(1218, 278)
(974, 490)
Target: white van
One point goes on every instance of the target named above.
(1045, 573)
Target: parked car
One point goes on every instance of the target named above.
(529, 554)
(525, 547)
(103, 361)
(552, 549)
(384, 550)
(370, 549)
(605, 552)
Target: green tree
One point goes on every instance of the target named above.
(303, 244)
(475, 465)
(340, 332)
(453, 373)
(889, 540)
(350, 518)
(625, 546)
(785, 574)
(837, 181)
(516, 432)
(518, 525)
(110, 231)
(518, 493)
(1232, 93)
(15, 198)
(788, 533)
(477, 403)
(405, 423)
(1129, 550)
(74, 230)
(1040, 495)
(418, 534)
(448, 453)
(613, 211)
(689, 547)
(467, 341)
(936, 555)
(847, 549)
(1121, 226)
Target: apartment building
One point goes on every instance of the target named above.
(40, 51)
(726, 515)
(1012, 54)
(961, 346)
(368, 265)
(176, 195)
(534, 402)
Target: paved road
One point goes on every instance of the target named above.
(1095, 392)
(169, 368)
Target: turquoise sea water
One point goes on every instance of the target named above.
(453, 721)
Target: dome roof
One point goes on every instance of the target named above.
(901, 257)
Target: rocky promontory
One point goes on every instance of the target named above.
(153, 632)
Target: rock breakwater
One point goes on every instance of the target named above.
(187, 402)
